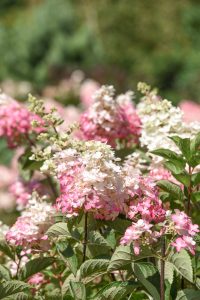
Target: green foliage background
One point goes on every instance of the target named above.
(114, 41)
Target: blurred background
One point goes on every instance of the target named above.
(64, 49)
(42, 42)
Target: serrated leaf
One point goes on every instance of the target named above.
(188, 294)
(4, 273)
(182, 264)
(77, 290)
(124, 255)
(95, 238)
(120, 258)
(12, 288)
(5, 248)
(71, 277)
(67, 254)
(97, 244)
(169, 271)
(172, 188)
(148, 275)
(19, 296)
(116, 290)
(62, 229)
(93, 268)
(36, 265)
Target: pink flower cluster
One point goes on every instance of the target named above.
(144, 198)
(109, 119)
(30, 228)
(150, 218)
(186, 230)
(91, 181)
(15, 123)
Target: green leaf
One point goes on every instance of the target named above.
(12, 288)
(172, 188)
(183, 177)
(195, 178)
(148, 275)
(116, 290)
(188, 294)
(195, 196)
(168, 154)
(120, 258)
(169, 271)
(92, 268)
(36, 265)
(65, 286)
(124, 255)
(67, 254)
(183, 145)
(182, 264)
(195, 144)
(119, 225)
(97, 244)
(4, 273)
(62, 229)
(5, 248)
(77, 290)
(95, 238)
(175, 166)
(53, 295)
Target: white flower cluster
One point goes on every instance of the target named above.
(160, 120)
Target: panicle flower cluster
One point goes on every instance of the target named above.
(110, 119)
(160, 120)
(22, 191)
(90, 180)
(29, 229)
(15, 122)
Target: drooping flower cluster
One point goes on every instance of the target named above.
(110, 119)
(90, 180)
(29, 229)
(15, 122)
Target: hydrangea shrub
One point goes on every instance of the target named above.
(108, 207)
